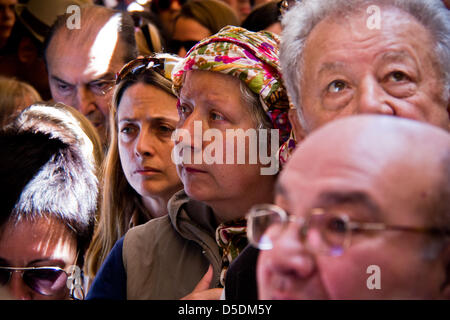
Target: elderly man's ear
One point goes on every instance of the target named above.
(298, 129)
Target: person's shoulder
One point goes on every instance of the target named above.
(110, 281)
(149, 229)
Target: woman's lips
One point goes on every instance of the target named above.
(147, 171)
(193, 170)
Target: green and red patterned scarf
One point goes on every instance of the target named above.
(232, 239)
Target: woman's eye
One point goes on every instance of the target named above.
(336, 86)
(126, 130)
(183, 110)
(217, 116)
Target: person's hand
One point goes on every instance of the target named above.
(201, 291)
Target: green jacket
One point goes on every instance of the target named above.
(166, 257)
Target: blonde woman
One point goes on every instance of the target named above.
(139, 177)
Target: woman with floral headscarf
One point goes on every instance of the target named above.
(229, 85)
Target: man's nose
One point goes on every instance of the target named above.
(85, 101)
(292, 257)
(373, 99)
(18, 289)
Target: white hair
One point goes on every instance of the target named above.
(299, 21)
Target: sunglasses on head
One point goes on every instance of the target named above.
(163, 64)
(48, 281)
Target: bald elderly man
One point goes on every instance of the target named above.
(348, 57)
(359, 214)
(82, 63)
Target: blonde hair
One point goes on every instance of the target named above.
(15, 95)
(121, 207)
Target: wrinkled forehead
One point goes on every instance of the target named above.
(364, 22)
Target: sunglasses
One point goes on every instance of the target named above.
(163, 64)
(48, 281)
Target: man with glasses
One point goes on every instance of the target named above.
(82, 61)
(356, 198)
(337, 60)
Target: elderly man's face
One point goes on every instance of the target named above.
(350, 68)
(82, 76)
(344, 176)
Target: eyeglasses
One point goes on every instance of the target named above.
(163, 64)
(48, 281)
(321, 231)
(285, 5)
(101, 87)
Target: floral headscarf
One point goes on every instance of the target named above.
(253, 58)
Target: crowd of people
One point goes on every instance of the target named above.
(235, 149)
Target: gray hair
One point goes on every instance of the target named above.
(252, 101)
(304, 16)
